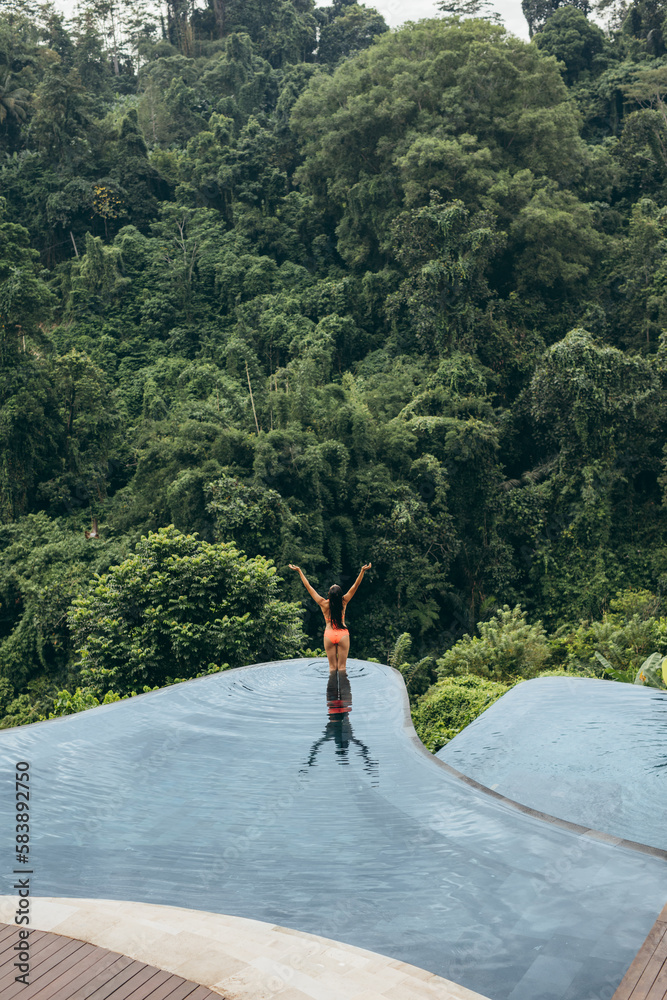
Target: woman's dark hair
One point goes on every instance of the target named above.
(335, 596)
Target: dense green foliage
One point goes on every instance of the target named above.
(477, 670)
(177, 608)
(452, 704)
(507, 646)
(312, 290)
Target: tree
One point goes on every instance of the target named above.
(29, 434)
(538, 12)
(25, 299)
(312, 300)
(446, 253)
(28, 415)
(593, 405)
(637, 277)
(45, 563)
(89, 56)
(643, 19)
(588, 395)
(138, 182)
(94, 280)
(62, 117)
(573, 40)
(177, 608)
(464, 8)
(347, 28)
(254, 517)
(88, 425)
(14, 101)
(556, 245)
(373, 133)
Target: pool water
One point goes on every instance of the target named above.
(241, 793)
(590, 751)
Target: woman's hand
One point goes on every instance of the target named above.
(292, 566)
(353, 589)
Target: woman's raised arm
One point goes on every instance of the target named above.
(311, 590)
(353, 589)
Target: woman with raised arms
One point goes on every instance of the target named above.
(336, 635)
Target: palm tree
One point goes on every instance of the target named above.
(13, 102)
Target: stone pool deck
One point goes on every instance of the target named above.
(235, 958)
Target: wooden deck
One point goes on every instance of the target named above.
(63, 968)
(646, 979)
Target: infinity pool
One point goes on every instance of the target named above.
(592, 752)
(239, 793)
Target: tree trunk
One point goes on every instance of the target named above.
(116, 66)
(219, 11)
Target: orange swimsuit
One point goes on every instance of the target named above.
(333, 633)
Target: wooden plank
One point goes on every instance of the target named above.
(194, 987)
(47, 982)
(156, 977)
(7, 943)
(659, 989)
(65, 968)
(638, 983)
(105, 967)
(86, 959)
(653, 966)
(54, 952)
(157, 982)
(7, 931)
(174, 989)
(57, 962)
(203, 993)
(10, 935)
(135, 986)
(103, 990)
(99, 977)
(47, 948)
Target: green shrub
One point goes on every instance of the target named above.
(417, 674)
(508, 646)
(68, 702)
(627, 634)
(452, 704)
(177, 607)
(20, 712)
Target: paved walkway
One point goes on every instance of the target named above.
(646, 979)
(236, 958)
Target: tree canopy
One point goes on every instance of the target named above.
(279, 284)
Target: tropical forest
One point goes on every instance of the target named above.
(280, 284)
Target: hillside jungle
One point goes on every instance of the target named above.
(280, 285)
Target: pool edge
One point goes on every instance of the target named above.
(564, 824)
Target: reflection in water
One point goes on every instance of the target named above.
(339, 693)
(339, 729)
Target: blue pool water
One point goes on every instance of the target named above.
(237, 793)
(592, 752)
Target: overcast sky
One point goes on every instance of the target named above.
(397, 11)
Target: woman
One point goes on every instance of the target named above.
(336, 636)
